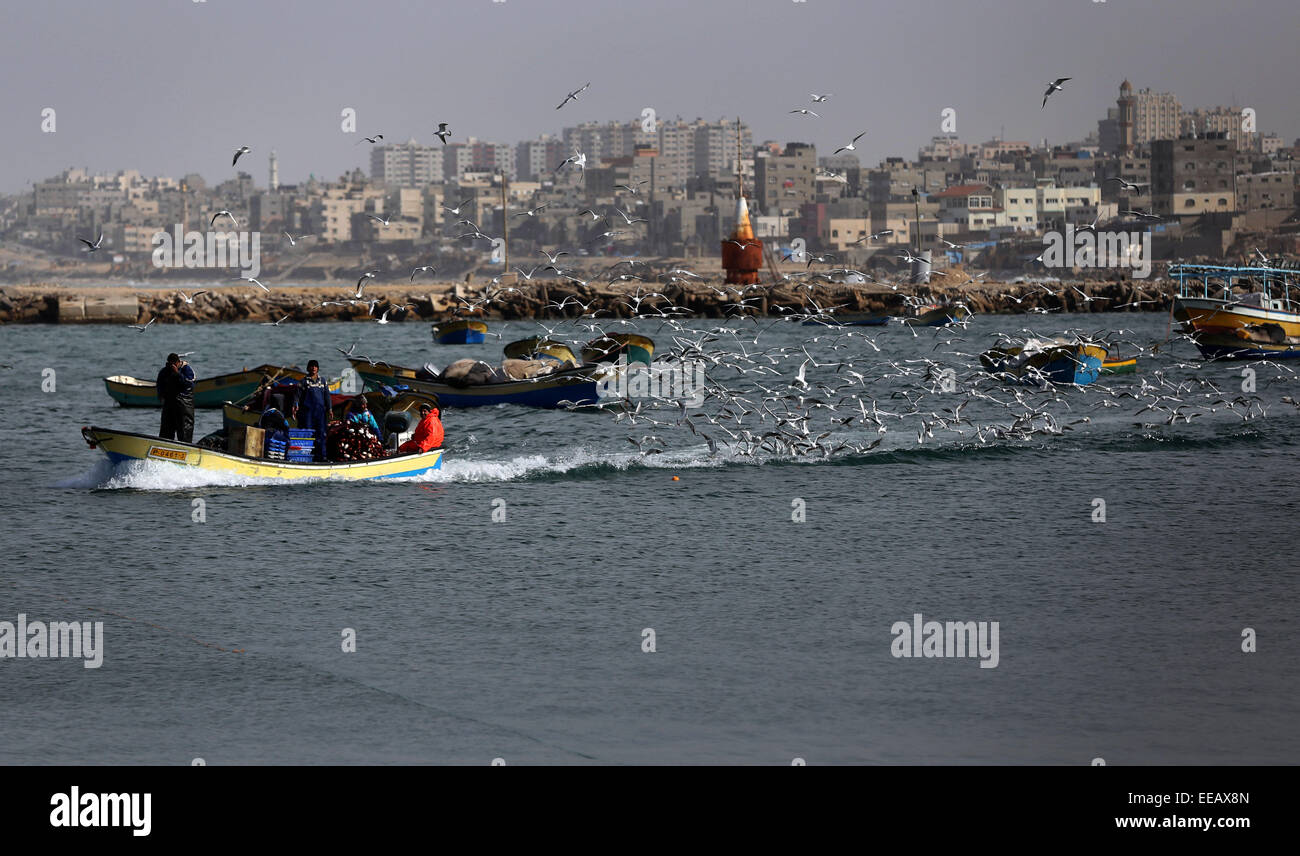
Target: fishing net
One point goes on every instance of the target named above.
(345, 442)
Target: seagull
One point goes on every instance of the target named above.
(242, 150)
(225, 212)
(142, 328)
(630, 189)
(573, 96)
(459, 205)
(95, 246)
(551, 257)
(348, 352)
(805, 111)
(189, 298)
(255, 282)
(422, 268)
(1054, 86)
(275, 323)
(851, 147)
(1127, 185)
(1088, 227)
(383, 220)
(370, 139)
(1142, 215)
(526, 276)
(739, 244)
(292, 242)
(818, 99)
(594, 215)
(370, 274)
(442, 133)
(630, 220)
(531, 212)
(579, 160)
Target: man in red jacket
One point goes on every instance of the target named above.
(428, 434)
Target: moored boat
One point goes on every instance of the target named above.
(1117, 366)
(575, 385)
(936, 315)
(460, 331)
(1262, 323)
(607, 349)
(209, 392)
(541, 348)
(1038, 362)
(125, 446)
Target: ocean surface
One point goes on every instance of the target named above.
(523, 639)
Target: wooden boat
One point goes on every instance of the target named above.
(608, 349)
(460, 331)
(1117, 366)
(936, 315)
(1261, 324)
(208, 391)
(540, 348)
(1038, 362)
(577, 385)
(852, 319)
(124, 446)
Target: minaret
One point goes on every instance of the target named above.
(1127, 139)
(273, 182)
(742, 253)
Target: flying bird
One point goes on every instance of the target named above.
(143, 327)
(459, 205)
(95, 246)
(275, 323)
(254, 281)
(373, 139)
(242, 150)
(1127, 185)
(422, 268)
(818, 99)
(805, 111)
(370, 274)
(851, 147)
(189, 298)
(573, 96)
(531, 212)
(442, 133)
(383, 220)
(1054, 86)
(579, 160)
(225, 212)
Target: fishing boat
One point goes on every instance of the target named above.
(541, 348)
(938, 315)
(380, 403)
(607, 349)
(1261, 323)
(1039, 362)
(852, 319)
(125, 446)
(576, 385)
(209, 392)
(460, 331)
(1117, 366)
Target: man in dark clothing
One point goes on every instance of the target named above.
(312, 407)
(176, 392)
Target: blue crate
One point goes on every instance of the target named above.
(301, 459)
(302, 434)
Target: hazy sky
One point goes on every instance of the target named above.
(174, 86)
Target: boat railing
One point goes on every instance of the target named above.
(1220, 281)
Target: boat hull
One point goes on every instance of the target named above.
(209, 392)
(547, 392)
(1078, 365)
(125, 446)
(608, 349)
(1231, 330)
(1114, 367)
(939, 316)
(460, 333)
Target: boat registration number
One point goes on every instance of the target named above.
(168, 454)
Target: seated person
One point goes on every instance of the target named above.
(428, 434)
(357, 412)
(275, 424)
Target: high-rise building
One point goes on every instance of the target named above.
(1194, 175)
(409, 164)
(273, 179)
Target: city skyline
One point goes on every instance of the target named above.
(500, 79)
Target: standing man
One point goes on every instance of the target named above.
(175, 388)
(312, 407)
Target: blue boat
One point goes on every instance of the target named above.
(1039, 363)
(462, 331)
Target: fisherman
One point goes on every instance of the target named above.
(311, 407)
(175, 388)
(357, 412)
(428, 434)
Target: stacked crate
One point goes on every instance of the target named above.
(302, 445)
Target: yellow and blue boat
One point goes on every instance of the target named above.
(607, 349)
(1117, 366)
(1037, 362)
(126, 446)
(540, 348)
(1263, 323)
(209, 392)
(460, 331)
